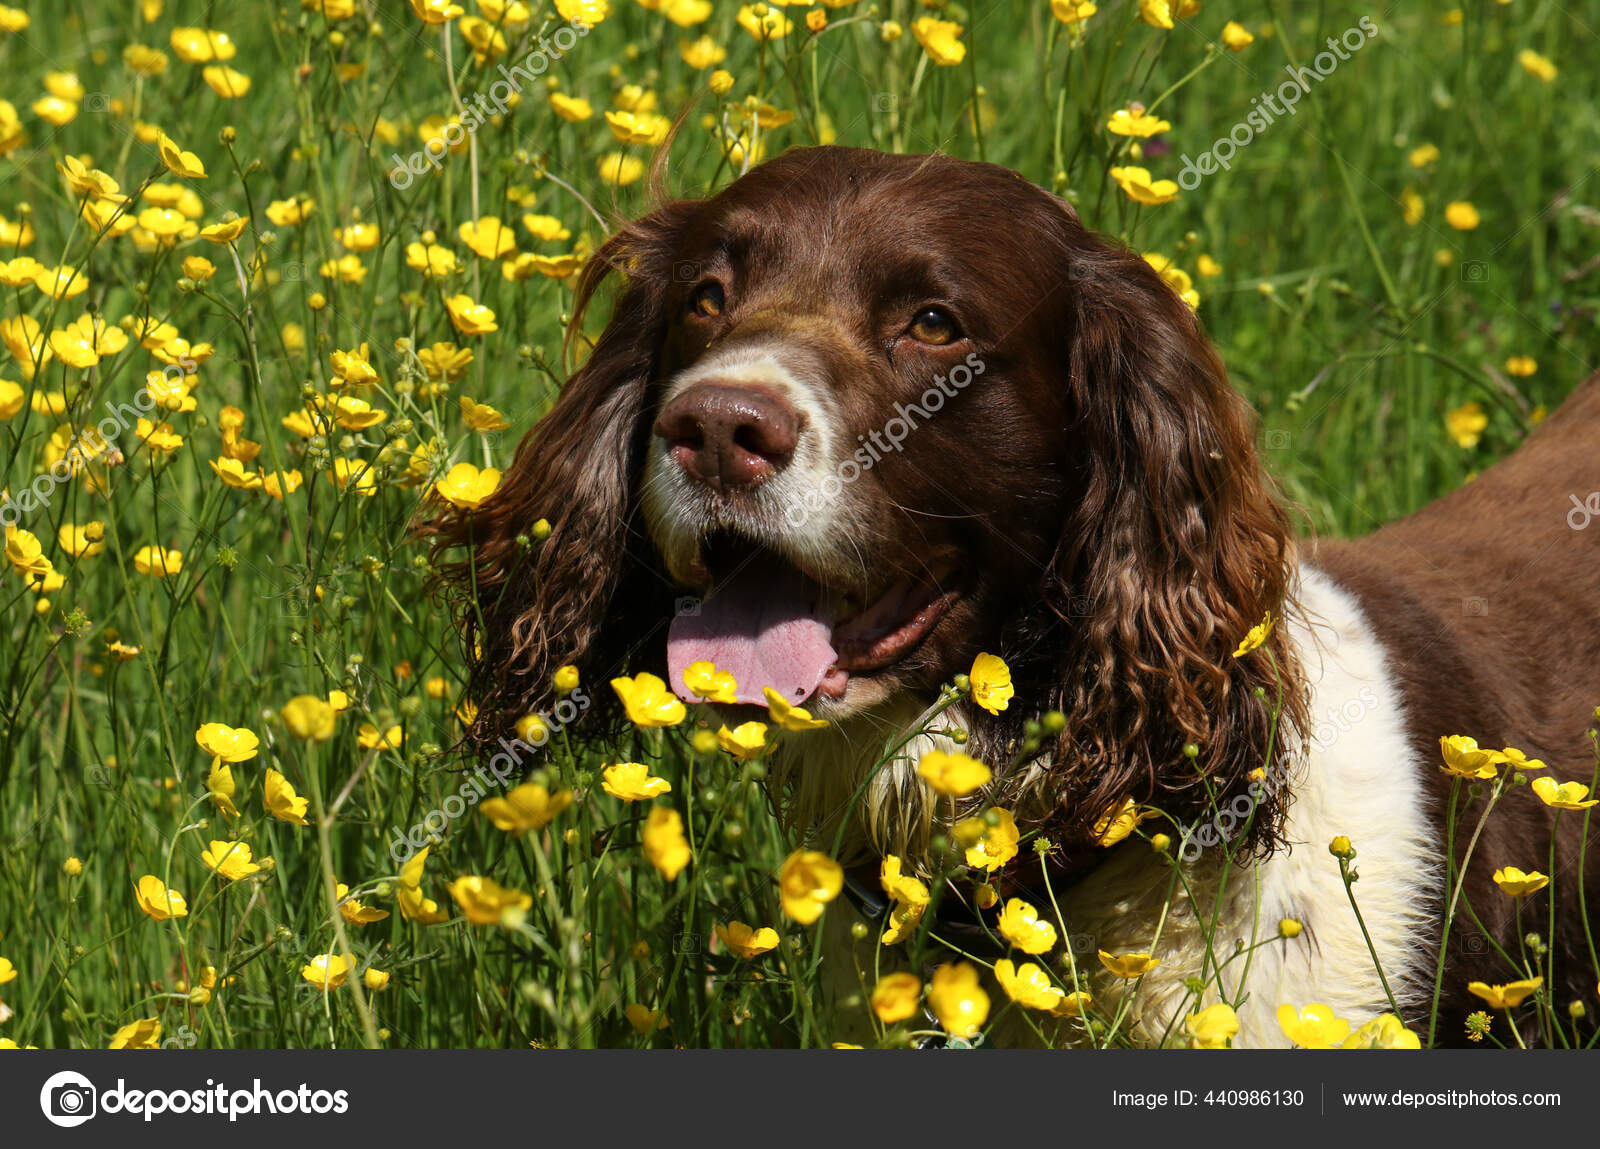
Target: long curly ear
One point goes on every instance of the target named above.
(1174, 547)
(528, 607)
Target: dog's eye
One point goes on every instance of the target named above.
(707, 300)
(934, 325)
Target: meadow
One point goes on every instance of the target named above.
(281, 280)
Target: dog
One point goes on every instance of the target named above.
(860, 417)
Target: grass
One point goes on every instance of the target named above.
(1353, 331)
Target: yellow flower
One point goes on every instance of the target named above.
(589, 12)
(1160, 13)
(225, 82)
(1463, 758)
(702, 53)
(356, 414)
(632, 782)
(665, 847)
(231, 859)
(470, 317)
(953, 774)
(353, 911)
(201, 45)
(1507, 996)
(157, 561)
(1516, 759)
(645, 1021)
(1422, 155)
(721, 82)
(941, 39)
(185, 165)
(1117, 822)
(142, 1034)
(957, 1000)
(807, 881)
(991, 683)
(648, 701)
(481, 417)
(484, 902)
(620, 169)
(1411, 206)
(1518, 884)
(791, 718)
(764, 21)
(437, 11)
(1128, 965)
(290, 212)
(225, 232)
(226, 742)
(369, 737)
(1461, 215)
(1020, 925)
(746, 741)
(1141, 189)
(308, 718)
(488, 237)
(648, 128)
(1072, 11)
(25, 553)
(994, 845)
(895, 997)
(570, 108)
(529, 806)
(326, 971)
(910, 900)
(1235, 36)
(1289, 927)
(1257, 636)
(1135, 121)
(55, 111)
(1314, 1027)
(746, 942)
(1537, 66)
(158, 901)
(7, 971)
(233, 474)
(281, 800)
(1386, 1031)
(1466, 424)
(1564, 795)
(465, 486)
(1213, 1027)
(1028, 985)
(414, 907)
(1521, 366)
(73, 867)
(704, 680)
(375, 979)
(354, 366)
(432, 260)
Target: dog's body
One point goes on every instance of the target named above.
(1020, 443)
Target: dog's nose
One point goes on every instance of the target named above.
(727, 436)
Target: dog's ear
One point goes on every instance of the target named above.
(1173, 547)
(527, 607)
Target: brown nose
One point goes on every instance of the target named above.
(729, 437)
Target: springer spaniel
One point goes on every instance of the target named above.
(882, 413)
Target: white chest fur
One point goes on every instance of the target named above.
(1355, 775)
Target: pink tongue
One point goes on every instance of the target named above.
(761, 625)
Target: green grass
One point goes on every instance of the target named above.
(1352, 331)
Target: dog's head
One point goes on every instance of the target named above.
(859, 417)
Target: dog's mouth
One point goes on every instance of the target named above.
(770, 623)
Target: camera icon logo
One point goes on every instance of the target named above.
(68, 1099)
(1474, 271)
(685, 271)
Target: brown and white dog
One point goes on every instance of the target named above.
(881, 413)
